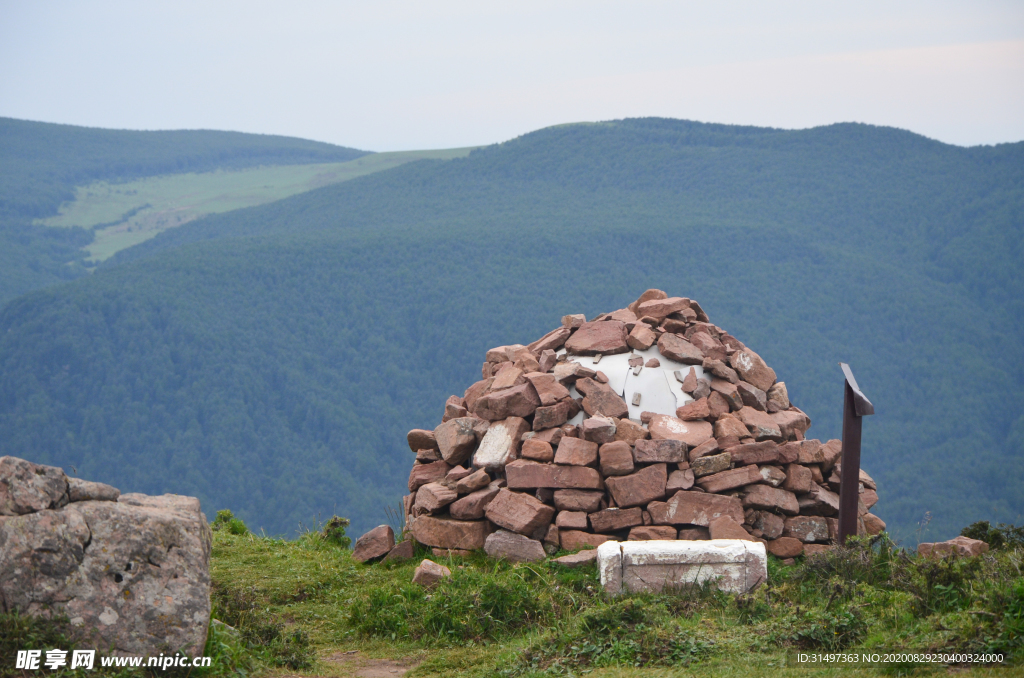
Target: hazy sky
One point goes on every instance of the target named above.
(389, 75)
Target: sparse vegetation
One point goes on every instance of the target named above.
(504, 619)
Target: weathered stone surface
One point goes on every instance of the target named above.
(615, 519)
(660, 451)
(421, 439)
(752, 396)
(729, 392)
(703, 389)
(507, 376)
(600, 399)
(606, 337)
(695, 508)
(761, 425)
(728, 480)
(572, 520)
(515, 547)
(454, 407)
(714, 463)
(500, 443)
(819, 502)
(455, 475)
(598, 429)
(770, 525)
(791, 423)
(616, 459)
(815, 549)
(573, 540)
(808, 451)
(578, 500)
(766, 452)
(646, 296)
(87, 490)
(694, 534)
(724, 527)
(474, 392)
(676, 348)
(752, 369)
(651, 532)
(772, 475)
(401, 552)
(639, 488)
(428, 573)
(798, 479)
(551, 341)
(551, 436)
(573, 321)
(961, 546)
(642, 337)
(26, 487)
(785, 547)
(547, 361)
(581, 559)
(708, 447)
(471, 507)
(427, 456)
(376, 543)
(421, 474)
(550, 417)
(519, 512)
(770, 499)
(778, 397)
(576, 452)
(431, 498)
(456, 439)
(872, 523)
(132, 574)
(806, 528)
(720, 370)
(708, 345)
(537, 450)
(696, 410)
(661, 308)
(446, 533)
(549, 389)
(517, 401)
(629, 432)
(693, 433)
(633, 566)
(679, 480)
(729, 426)
(477, 480)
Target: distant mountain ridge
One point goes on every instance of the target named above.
(271, 359)
(41, 163)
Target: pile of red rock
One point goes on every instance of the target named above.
(646, 423)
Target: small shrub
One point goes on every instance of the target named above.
(828, 630)
(944, 585)
(1003, 536)
(227, 521)
(334, 532)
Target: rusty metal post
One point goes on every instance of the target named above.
(856, 406)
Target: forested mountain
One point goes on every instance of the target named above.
(271, 359)
(41, 163)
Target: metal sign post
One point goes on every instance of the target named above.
(855, 406)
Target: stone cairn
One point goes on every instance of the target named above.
(545, 452)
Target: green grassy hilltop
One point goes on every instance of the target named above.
(272, 358)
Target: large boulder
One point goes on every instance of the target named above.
(132, 576)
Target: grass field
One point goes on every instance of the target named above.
(305, 608)
(125, 214)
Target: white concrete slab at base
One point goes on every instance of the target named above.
(735, 565)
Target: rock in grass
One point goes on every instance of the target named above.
(428, 573)
(374, 544)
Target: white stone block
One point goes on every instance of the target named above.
(735, 565)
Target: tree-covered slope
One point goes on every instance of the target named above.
(271, 359)
(41, 163)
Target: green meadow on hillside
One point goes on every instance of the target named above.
(126, 213)
(270, 359)
(41, 164)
